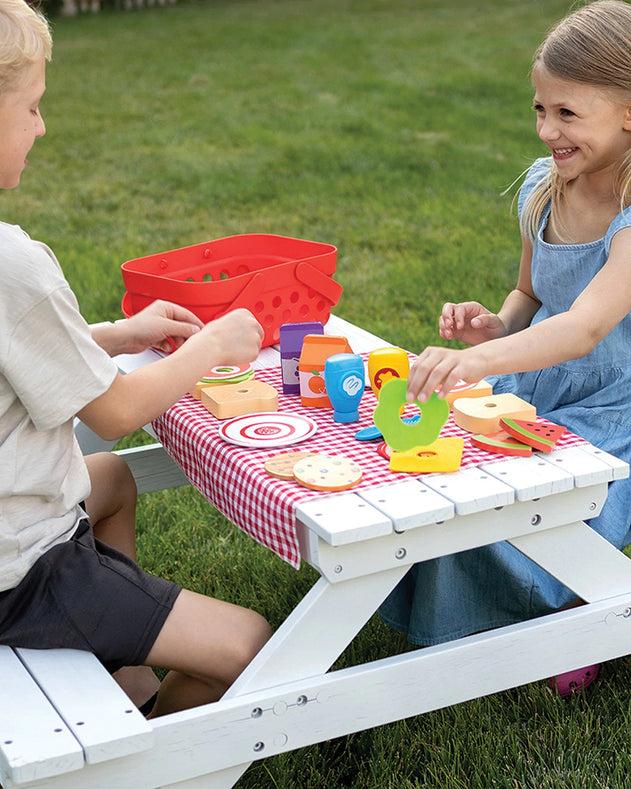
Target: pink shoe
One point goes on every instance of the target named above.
(574, 681)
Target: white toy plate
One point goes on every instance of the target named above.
(268, 429)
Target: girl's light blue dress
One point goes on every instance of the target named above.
(489, 587)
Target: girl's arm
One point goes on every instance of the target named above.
(135, 399)
(473, 324)
(568, 335)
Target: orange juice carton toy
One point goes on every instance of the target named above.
(316, 349)
(345, 382)
(387, 363)
(292, 336)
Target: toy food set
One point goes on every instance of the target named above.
(279, 279)
(316, 349)
(442, 455)
(292, 336)
(322, 472)
(463, 389)
(266, 430)
(385, 364)
(399, 435)
(483, 414)
(539, 435)
(502, 443)
(247, 397)
(220, 376)
(373, 433)
(345, 381)
(282, 465)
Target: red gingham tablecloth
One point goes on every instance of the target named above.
(234, 480)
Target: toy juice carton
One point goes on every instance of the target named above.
(292, 336)
(316, 349)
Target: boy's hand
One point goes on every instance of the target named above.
(236, 336)
(158, 323)
(469, 322)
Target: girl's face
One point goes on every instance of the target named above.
(20, 123)
(587, 128)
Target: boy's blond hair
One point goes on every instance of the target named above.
(24, 39)
(590, 46)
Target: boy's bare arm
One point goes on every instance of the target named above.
(157, 325)
(135, 399)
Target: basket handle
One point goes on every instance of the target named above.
(247, 296)
(322, 283)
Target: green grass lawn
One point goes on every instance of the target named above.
(389, 128)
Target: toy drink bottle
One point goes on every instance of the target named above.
(345, 381)
(387, 363)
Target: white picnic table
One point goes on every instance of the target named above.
(361, 543)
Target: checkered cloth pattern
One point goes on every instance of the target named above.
(234, 480)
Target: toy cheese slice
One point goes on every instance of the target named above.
(442, 455)
(539, 435)
(483, 414)
(502, 443)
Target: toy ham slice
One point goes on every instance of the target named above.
(539, 435)
(462, 389)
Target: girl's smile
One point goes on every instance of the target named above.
(586, 128)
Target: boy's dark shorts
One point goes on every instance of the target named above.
(83, 594)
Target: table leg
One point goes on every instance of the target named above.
(308, 642)
(580, 559)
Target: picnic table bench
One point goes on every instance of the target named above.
(65, 723)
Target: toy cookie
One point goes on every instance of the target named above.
(322, 472)
(282, 465)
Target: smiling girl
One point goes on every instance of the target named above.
(562, 338)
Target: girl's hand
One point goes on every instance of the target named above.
(441, 369)
(469, 322)
(158, 323)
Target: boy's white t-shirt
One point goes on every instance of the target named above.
(50, 368)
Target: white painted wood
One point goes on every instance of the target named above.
(299, 713)
(95, 709)
(34, 741)
(619, 469)
(458, 534)
(409, 504)
(311, 638)
(343, 518)
(471, 490)
(153, 468)
(580, 558)
(360, 340)
(284, 699)
(586, 467)
(532, 477)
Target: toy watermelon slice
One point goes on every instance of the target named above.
(539, 435)
(501, 442)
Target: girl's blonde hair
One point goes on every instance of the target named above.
(592, 46)
(24, 39)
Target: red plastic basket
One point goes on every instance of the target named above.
(279, 279)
